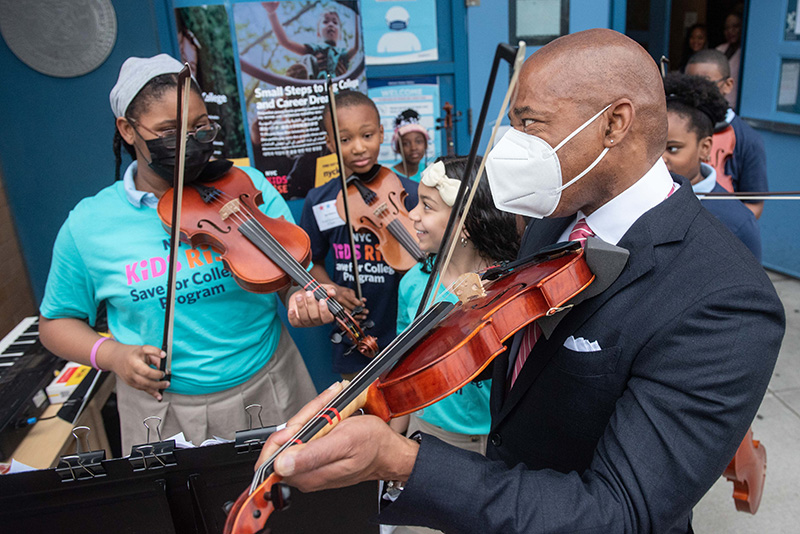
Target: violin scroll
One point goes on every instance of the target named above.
(748, 471)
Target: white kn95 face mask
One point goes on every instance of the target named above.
(525, 175)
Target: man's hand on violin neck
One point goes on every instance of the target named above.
(304, 310)
(360, 448)
(364, 448)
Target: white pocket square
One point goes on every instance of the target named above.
(581, 345)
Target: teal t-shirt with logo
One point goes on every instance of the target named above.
(467, 410)
(111, 250)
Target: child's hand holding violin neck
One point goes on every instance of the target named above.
(304, 310)
(347, 298)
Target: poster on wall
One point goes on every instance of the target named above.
(286, 50)
(209, 53)
(394, 100)
(400, 31)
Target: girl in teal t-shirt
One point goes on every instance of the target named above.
(489, 236)
(229, 348)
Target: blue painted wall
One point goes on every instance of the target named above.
(488, 25)
(56, 144)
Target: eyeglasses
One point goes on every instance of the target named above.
(204, 134)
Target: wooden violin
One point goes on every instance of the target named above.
(376, 204)
(722, 145)
(265, 254)
(447, 125)
(437, 357)
(747, 471)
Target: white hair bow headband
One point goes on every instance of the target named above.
(434, 176)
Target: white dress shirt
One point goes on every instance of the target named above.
(614, 218)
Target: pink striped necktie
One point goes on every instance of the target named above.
(579, 233)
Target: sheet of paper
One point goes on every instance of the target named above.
(19, 467)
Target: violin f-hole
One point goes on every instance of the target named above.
(392, 196)
(366, 221)
(212, 223)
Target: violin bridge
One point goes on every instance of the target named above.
(381, 209)
(231, 208)
(467, 287)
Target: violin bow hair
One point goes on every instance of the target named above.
(184, 89)
(466, 191)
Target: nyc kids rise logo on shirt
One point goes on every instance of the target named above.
(203, 280)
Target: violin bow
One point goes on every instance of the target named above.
(184, 88)
(467, 189)
(751, 195)
(345, 204)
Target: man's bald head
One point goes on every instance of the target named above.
(597, 67)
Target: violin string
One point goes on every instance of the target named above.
(274, 245)
(405, 239)
(240, 220)
(358, 382)
(298, 273)
(401, 234)
(261, 471)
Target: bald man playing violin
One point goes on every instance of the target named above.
(622, 417)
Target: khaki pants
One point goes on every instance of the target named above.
(281, 387)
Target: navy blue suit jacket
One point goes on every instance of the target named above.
(628, 438)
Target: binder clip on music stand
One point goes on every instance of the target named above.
(154, 455)
(84, 464)
(253, 438)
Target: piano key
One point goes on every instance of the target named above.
(17, 347)
(22, 327)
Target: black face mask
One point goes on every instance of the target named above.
(162, 159)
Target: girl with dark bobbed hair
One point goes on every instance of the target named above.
(489, 237)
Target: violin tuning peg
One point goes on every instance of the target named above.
(366, 325)
(227, 507)
(336, 337)
(281, 496)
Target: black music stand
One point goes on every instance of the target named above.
(186, 497)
